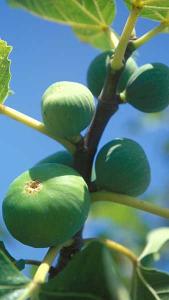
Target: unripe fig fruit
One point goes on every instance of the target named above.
(46, 205)
(60, 157)
(97, 73)
(148, 88)
(122, 167)
(67, 109)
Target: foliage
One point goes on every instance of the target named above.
(87, 269)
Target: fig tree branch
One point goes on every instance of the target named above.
(107, 106)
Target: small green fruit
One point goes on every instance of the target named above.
(122, 167)
(148, 88)
(67, 109)
(46, 205)
(97, 73)
(60, 157)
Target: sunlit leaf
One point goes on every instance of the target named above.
(5, 75)
(155, 241)
(89, 19)
(152, 9)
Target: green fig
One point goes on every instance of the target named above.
(67, 109)
(46, 205)
(60, 157)
(148, 88)
(97, 73)
(122, 167)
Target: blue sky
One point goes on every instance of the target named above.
(44, 53)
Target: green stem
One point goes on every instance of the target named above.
(40, 275)
(36, 125)
(113, 38)
(117, 247)
(132, 202)
(117, 62)
(148, 36)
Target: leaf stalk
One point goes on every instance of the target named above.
(117, 62)
(132, 202)
(40, 275)
(148, 36)
(33, 123)
(114, 246)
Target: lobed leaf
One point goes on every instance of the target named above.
(5, 74)
(13, 284)
(152, 9)
(89, 19)
(150, 284)
(89, 275)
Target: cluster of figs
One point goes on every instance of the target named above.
(48, 204)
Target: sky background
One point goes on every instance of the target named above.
(44, 53)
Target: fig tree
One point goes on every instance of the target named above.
(67, 109)
(97, 73)
(46, 205)
(122, 167)
(148, 88)
(60, 157)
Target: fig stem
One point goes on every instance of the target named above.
(132, 202)
(33, 123)
(147, 36)
(113, 38)
(33, 287)
(117, 62)
(117, 247)
(108, 103)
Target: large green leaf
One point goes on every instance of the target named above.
(141, 289)
(5, 75)
(12, 283)
(89, 19)
(153, 9)
(159, 281)
(150, 284)
(88, 276)
(155, 241)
